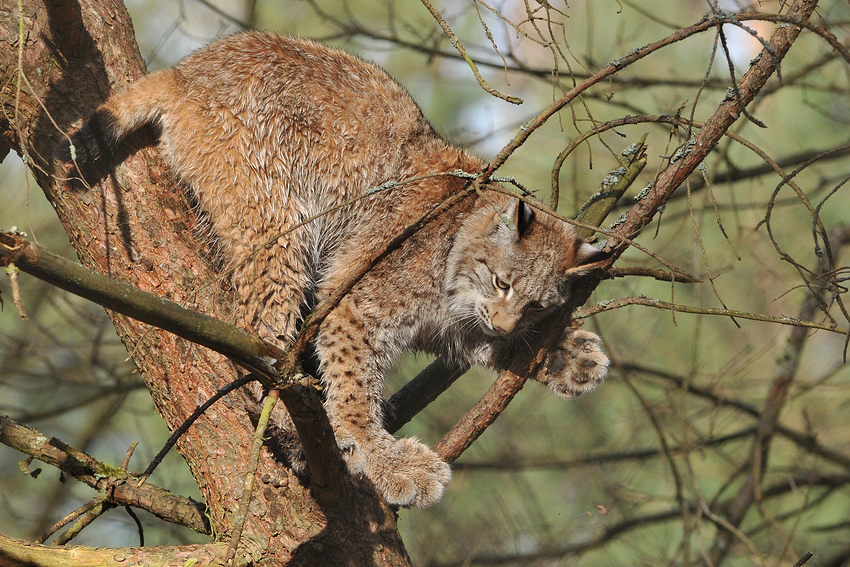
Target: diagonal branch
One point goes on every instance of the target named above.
(459, 46)
(681, 308)
(640, 215)
(698, 147)
(141, 305)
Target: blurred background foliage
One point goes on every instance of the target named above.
(644, 471)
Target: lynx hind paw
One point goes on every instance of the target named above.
(577, 365)
(405, 472)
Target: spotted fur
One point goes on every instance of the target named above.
(269, 132)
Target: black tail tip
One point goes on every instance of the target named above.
(97, 138)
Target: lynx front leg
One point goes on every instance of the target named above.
(576, 365)
(406, 472)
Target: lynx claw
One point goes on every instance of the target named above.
(577, 365)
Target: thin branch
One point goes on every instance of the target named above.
(70, 517)
(660, 275)
(459, 46)
(749, 86)
(599, 458)
(675, 307)
(698, 147)
(99, 506)
(187, 423)
(257, 441)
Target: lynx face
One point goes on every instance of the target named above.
(507, 269)
(501, 294)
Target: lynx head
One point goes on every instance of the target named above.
(509, 265)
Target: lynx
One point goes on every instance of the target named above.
(269, 132)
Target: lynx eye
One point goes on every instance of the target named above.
(535, 306)
(499, 283)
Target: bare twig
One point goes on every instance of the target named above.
(714, 128)
(459, 46)
(250, 475)
(657, 303)
(12, 272)
(187, 423)
(98, 506)
(660, 275)
(70, 517)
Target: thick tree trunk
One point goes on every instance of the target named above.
(135, 226)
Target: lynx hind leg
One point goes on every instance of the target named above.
(269, 285)
(575, 366)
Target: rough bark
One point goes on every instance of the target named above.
(135, 225)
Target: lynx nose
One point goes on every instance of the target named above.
(501, 324)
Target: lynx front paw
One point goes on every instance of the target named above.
(577, 365)
(405, 472)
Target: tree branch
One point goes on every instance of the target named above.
(17, 552)
(140, 305)
(679, 308)
(697, 148)
(123, 489)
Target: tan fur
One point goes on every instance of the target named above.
(270, 131)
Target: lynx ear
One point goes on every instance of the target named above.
(586, 258)
(520, 216)
(587, 253)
